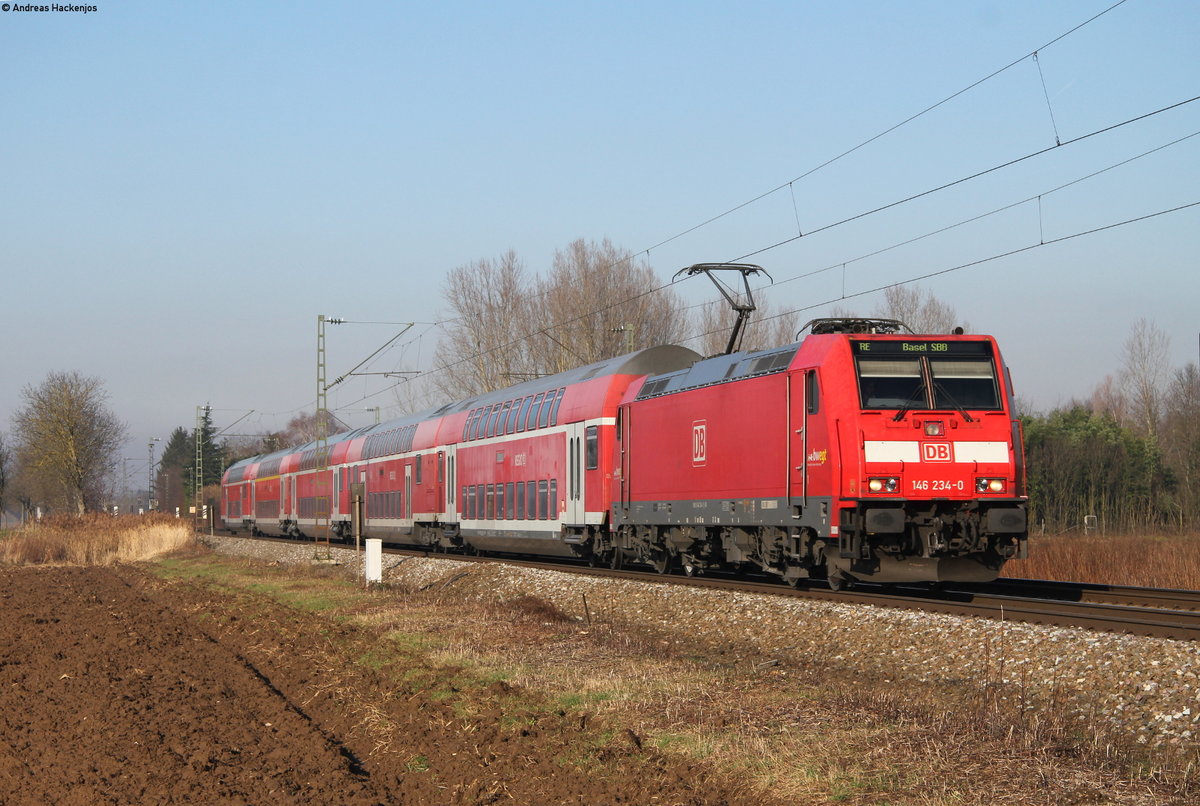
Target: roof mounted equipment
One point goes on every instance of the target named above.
(854, 325)
(743, 309)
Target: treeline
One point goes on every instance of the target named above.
(1129, 456)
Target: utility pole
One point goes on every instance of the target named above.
(198, 471)
(150, 475)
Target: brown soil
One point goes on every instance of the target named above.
(118, 688)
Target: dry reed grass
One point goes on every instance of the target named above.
(94, 540)
(1142, 560)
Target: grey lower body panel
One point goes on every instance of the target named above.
(548, 543)
(812, 513)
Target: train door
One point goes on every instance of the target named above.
(408, 490)
(450, 486)
(574, 516)
(804, 400)
(624, 449)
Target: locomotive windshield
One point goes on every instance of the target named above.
(949, 380)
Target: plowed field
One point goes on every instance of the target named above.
(116, 687)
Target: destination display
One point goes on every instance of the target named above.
(923, 347)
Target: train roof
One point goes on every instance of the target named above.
(720, 369)
(649, 361)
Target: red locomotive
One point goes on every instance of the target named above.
(856, 453)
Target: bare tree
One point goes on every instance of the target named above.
(481, 349)
(596, 302)
(301, 430)
(768, 326)
(5, 462)
(1144, 370)
(1109, 398)
(919, 309)
(1180, 438)
(600, 302)
(67, 439)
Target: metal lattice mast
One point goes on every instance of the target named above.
(198, 470)
(321, 486)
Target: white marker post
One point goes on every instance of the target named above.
(373, 565)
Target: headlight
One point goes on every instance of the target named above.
(989, 485)
(888, 485)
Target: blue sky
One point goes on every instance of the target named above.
(184, 187)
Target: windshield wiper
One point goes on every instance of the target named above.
(910, 403)
(938, 388)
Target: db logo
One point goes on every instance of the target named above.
(935, 452)
(699, 442)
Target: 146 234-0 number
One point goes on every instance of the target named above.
(939, 485)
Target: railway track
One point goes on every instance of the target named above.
(1158, 612)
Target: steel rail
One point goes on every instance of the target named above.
(1154, 612)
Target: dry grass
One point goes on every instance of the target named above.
(1143, 560)
(94, 540)
(795, 730)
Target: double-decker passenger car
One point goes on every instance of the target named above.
(856, 453)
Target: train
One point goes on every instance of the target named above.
(861, 452)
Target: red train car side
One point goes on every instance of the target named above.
(856, 453)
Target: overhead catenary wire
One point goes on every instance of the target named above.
(969, 177)
(790, 184)
(826, 227)
(894, 127)
(978, 262)
(886, 131)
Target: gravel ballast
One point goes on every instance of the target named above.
(1139, 689)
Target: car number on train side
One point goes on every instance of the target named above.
(939, 485)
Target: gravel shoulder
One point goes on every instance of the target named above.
(1118, 687)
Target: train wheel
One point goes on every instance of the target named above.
(662, 561)
(839, 581)
(615, 560)
(689, 566)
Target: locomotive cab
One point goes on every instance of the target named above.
(932, 487)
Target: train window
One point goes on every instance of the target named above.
(499, 501)
(491, 502)
(522, 412)
(441, 467)
(417, 472)
(531, 419)
(520, 500)
(469, 500)
(554, 408)
(964, 383)
(543, 493)
(553, 513)
(467, 424)
(531, 501)
(812, 391)
(547, 404)
(508, 499)
(474, 434)
(891, 384)
(480, 501)
(592, 447)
